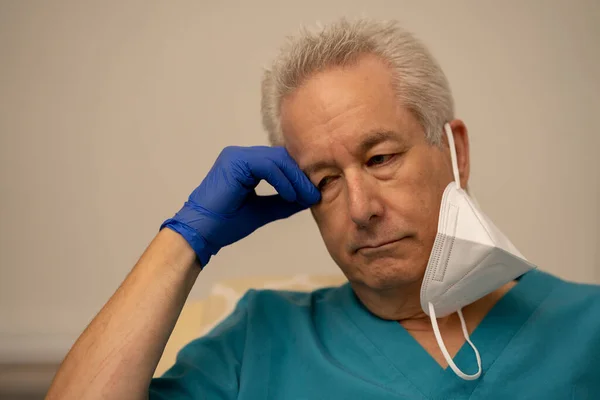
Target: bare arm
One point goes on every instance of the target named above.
(117, 354)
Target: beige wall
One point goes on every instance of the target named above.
(112, 112)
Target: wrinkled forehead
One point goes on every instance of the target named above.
(348, 127)
(344, 107)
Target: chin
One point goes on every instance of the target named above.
(386, 273)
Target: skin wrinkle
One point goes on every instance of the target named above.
(364, 204)
(330, 130)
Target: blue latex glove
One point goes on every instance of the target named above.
(225, 207)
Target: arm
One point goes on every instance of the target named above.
(116, 355)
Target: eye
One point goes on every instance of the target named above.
(379, 159)
(325, 181)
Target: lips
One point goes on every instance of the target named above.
(379, 246)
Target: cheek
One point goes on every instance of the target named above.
(418, 191)
(330, 225)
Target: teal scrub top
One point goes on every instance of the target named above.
(540, 341)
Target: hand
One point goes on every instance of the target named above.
(225, 207)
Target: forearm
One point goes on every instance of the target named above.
(117, 354)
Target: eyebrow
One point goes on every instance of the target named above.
(373, 138)
(370, 140)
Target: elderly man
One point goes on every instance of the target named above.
(361, 119)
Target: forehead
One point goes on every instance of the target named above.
(341, 107)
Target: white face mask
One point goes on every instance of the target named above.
(470, 258)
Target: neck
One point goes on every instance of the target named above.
(397, 303)
(404, 305)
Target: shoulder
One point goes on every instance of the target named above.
(578, 291)
(573, 297)
(287, 301)
(580, 296)
(272, 312)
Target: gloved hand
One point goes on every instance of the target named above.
(225, 207)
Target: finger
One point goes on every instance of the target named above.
(273, 208)
(307, 192)
(263, 168)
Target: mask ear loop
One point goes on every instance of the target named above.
(455, 162)
(434, 324)
(452, 153)
(442, 346)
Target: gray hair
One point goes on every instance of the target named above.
(419, 81)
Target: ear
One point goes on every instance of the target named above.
(461, 142)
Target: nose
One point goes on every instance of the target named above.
(364, 200)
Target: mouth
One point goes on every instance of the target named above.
(379, 246)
